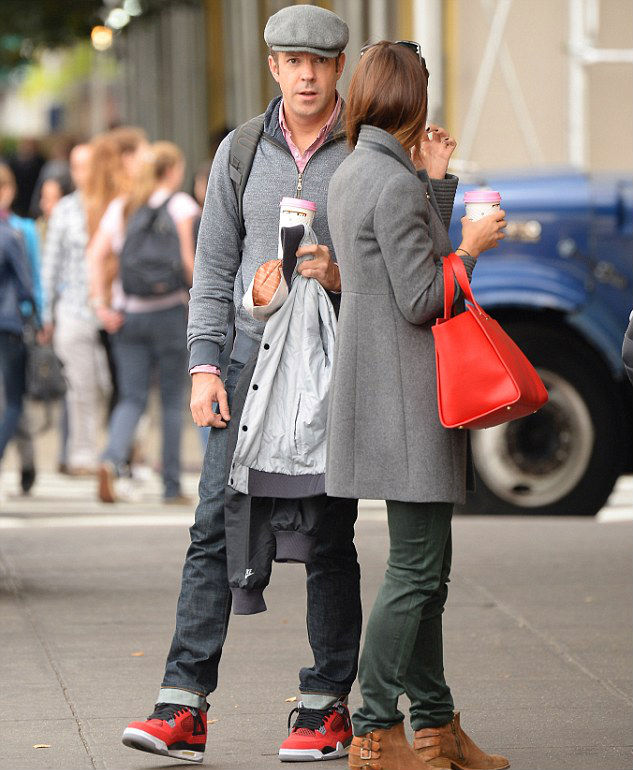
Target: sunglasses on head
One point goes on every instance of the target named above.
(410, 44)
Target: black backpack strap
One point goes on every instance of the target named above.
(241, 155)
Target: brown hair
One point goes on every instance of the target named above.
(108, 178)
(388, 90)
(163, 156)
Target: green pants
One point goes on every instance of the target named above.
(403, 642)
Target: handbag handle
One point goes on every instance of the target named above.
(454, 268)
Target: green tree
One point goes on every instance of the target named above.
(26, 25)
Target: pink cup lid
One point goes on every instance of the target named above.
(298, 203)
(482, 196)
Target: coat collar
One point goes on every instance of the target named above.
(388, 141)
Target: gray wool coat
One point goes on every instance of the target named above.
(389, 228)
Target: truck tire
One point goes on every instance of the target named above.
(565, 459)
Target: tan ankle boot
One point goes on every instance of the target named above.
(385, 750)
(449, 747)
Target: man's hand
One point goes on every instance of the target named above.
(206, 390)
(321, 266)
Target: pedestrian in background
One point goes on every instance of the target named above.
(26, 164)
(57, 167)
(389, 220)
(16, 288)
(26, 228)
(116, 156)
(69, 319)
(114, 163)
(27, 231)
(53, 189)
(149, 332)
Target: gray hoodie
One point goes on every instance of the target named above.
(225, 265)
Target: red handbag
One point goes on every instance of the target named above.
(483, 379)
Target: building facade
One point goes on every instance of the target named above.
(519, 83)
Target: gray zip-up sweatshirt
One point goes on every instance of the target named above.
(225, 265)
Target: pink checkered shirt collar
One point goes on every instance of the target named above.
(301, 159)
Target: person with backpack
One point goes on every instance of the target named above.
(151, 232)
(290, 151)
(16, 288)
(116, 157)
(26, 230)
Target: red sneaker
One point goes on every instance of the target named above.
(172, 730)
(317, 734)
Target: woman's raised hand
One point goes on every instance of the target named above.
(483, 234)
(433, 151)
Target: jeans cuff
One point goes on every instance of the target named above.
(320, 700)
(182, 698)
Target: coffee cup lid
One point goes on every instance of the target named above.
(482, 195)
(298, 203)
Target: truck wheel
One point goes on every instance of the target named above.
(566, 458)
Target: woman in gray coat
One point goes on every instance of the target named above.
(389, 206)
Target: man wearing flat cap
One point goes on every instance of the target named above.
(298, 145)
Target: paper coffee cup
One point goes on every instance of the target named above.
(481, 202)
(294, 211)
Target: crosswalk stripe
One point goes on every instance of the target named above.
(58, 501)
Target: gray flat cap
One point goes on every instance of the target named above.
(306, 28)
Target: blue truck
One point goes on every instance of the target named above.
(561, 284)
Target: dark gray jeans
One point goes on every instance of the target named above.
(12, 373)
(333, 594)
(403, 650)
(145, 343)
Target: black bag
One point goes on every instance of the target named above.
(150, 263)
(45, 379)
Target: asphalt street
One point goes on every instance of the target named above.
(537, 633)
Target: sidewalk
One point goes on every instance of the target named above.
(538, 635)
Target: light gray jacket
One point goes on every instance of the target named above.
(385, 440)
(280, 449)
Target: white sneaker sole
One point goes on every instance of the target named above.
(312, 755)
(138, 739)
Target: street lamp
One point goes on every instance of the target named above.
(117, 18)
(101, 38)
(132, 7)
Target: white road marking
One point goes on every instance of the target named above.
(61, 502)
(611, 515)
(121, 520)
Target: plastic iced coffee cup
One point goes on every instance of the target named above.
(480, 203)
(294, 211)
